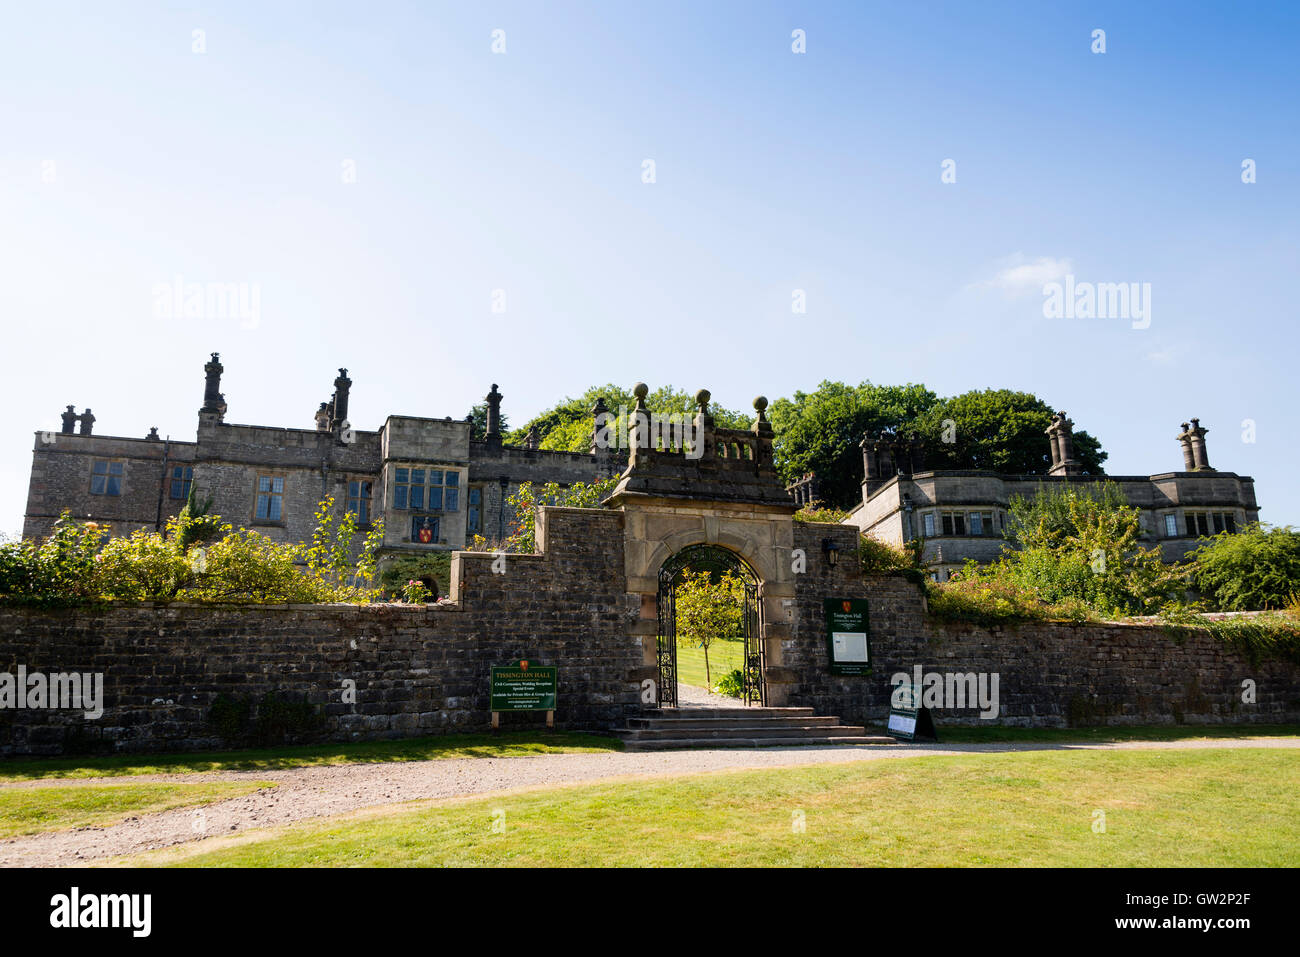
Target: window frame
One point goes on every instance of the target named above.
(186, 480)
(108, 475)
(364, 501)
(271, 494)
(437, 491)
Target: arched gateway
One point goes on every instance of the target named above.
(714, 560)
(696, 494)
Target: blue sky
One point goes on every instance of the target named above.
(127, 160)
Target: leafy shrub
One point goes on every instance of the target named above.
(77, 564)
(1256, 568)
(732, 684)
(433, 569)
(248, 566)
(1082, 545)
(818, 512)
(144, 567)
(415, 592)
(881, 558)
(62, 568)
(528, 498)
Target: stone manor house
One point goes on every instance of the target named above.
(433, 484)
(963, 514)
(436, 487)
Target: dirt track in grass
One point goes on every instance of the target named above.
(305, 793)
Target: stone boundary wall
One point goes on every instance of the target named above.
(1051, 674)
(418, 670)
(424, 670)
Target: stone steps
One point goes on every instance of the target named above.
(674, 728)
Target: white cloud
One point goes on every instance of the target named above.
(1019, 276)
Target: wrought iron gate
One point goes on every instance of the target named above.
(713, 559)
(755, 656)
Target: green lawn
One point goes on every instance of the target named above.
(724, 656)
(504, 745)
(1147, 732)
(1215, 807)
(32, 810)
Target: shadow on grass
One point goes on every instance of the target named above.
(504, 745)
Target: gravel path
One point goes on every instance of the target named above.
(304, 793)
(689, 696)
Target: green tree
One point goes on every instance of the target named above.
(1000, 430)
(821, 431)
(1082, 544)
(528, 498)
(567, 426)
(196, 523)
(709, 607)
(1256, 568)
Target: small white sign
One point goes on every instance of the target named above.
(902, 723)
(850, 646)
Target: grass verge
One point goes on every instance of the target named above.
(504, 745)
(1215, 807)
(1159, 732)
(724, 656)
(33, 810)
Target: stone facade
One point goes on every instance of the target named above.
(272, 478)
(963, 514)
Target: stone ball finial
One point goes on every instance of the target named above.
(640, 390)
(760, 404)
(702, 398)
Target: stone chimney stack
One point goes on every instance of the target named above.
(342, 385)
(1061, 434)
(323, 417)
(1185, 443)
(69, 420)
(213, 401)
(1196, 434)
(915, 454)
(153, 434)
(87, 423)
(532, 440)
(493, 430)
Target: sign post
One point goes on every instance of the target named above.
(848, 636)
(523, 686)
(909, 721)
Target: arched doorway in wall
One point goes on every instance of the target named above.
(716, 561)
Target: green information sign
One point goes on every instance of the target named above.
(523, 686)
(848, 636)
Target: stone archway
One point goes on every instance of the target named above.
(701, 485)
(717, 560)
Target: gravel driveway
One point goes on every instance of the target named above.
(304, 793)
